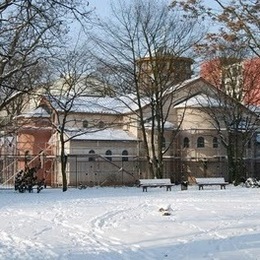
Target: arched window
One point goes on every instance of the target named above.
(91, 159)
(125, 155)
(109, 155)
(85, 123)
(200, 142)
(101, 124)
(215, 142)
(186, 142)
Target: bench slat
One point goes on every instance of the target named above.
(211, 181)
(155, 181)
(145, 183)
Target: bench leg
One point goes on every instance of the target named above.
(144, 188)
(200, 187)
(168, 188)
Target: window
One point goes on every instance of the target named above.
(85, 123)
(186, 142)
(163, 142)
(91, 159)
(200, 142)
(101, 124)
(215, 142)
(109, 153)
(27, 157)
(125, 155)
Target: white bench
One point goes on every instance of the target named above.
(211, 181)
(145, 183)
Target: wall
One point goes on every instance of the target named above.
(100, 170)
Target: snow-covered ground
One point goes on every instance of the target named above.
(126, 223)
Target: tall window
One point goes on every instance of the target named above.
(91, 159)
(125, 155)
(109, 155)
(215, 142)
(186, 142)
(200, 142)
(249, 144)
(163, 142)
(85, 123)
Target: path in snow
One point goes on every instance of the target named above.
(125, 223)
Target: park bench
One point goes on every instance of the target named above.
(211, 181)
(152, 183)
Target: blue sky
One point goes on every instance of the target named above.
(102, 6)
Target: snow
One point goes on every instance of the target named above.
(38, 112)
(102, 134)
(126, 223)
(96, 104)
(167, 124)
(200, 100)
(112, 105)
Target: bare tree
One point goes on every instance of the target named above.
(237, 20)
(143, 46)
(236, 126)
(230, 57)
(30, 33)
(75, 70)
(235, 119)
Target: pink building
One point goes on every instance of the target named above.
(33, 144)
(238, 78)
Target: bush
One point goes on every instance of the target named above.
(26, 180)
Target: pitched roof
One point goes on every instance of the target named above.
(108, 134)
(38, 112)
(107, 105)
(104, 105)
(200, 100)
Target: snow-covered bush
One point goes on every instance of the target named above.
(26, 180)
(252, 183)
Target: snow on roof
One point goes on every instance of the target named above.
(7, 139)
(101, 134)
(107, 105)
(182, 84)
(255, 109)
(38, 112)
(167, 124)
(200, 100)
(243, 125)
(187, 81)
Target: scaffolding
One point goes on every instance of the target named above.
(15, 157)
(8, 164)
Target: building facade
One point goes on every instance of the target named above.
(239, 78)
(104, 145)
(104, 142)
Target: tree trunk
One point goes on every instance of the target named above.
(64, 159)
